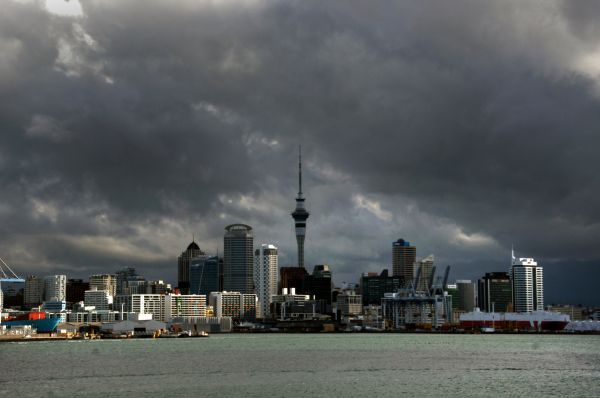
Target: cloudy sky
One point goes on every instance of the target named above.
(464, 127)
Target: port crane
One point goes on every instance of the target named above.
(10, 276)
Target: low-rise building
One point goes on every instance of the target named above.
(240, 307)
(349, 304)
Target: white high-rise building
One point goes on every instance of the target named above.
(55, 288)
(265, 278)
(527, 285)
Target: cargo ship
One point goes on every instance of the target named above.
(36, 319)
(510, 321)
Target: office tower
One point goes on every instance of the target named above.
(234, 304)
(34, 291)
(106, 282)
(238, 259)
(319, 287)
(183, 266)
(76, 290)
(527, 285)
(494, 292)
(100, 299)
(426, 266)
(129, 282)
(300, 215)
(466, 295)
(204, 275)
(265, 277)
(55, 288)
(403, 260)
(374, 286)
(157, 287)
(292, 277)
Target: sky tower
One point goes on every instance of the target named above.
(300, 214)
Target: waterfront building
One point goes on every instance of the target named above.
(349, 304)
(265, 277)
(527, 285)
(238, 259)
(183, 266)
(576, 313)
(237, 305)
(292, 305)
(75, 290)
(426, 267)
(184, 306)
(101, 300)
(494, 292)
(374, 287)
(149, 304)
(55, 288)
(408, 311)
(300, 215)
(34, 291)
(403, 260)
(104, 282)
(466, 295)
(204, 275)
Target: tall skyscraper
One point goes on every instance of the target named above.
(183, 266)
(55, 288)
(265, 277)
(204, 275)
(300, 215)
(527, 285)
(403, 260)
(238, 259)
(494, 292)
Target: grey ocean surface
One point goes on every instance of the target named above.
(302, 365)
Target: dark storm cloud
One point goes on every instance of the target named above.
(463, 126)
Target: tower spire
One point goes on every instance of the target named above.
(299, 171)
(300, 214)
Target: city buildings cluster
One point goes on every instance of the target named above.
(246, 284)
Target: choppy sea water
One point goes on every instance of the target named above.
(304, 365)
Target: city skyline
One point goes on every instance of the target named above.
(115, 149)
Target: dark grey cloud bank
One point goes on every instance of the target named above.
(464, 127)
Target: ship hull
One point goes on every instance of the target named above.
(538, 320)
(47, 325)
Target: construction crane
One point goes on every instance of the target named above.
(11, 276)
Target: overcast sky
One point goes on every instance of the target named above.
(464, 127)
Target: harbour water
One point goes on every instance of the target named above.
(303, 365)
